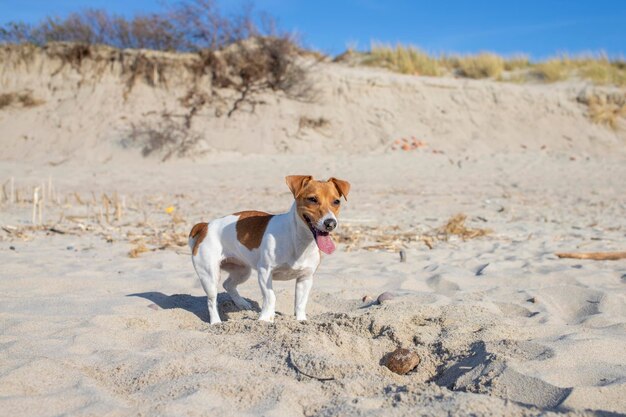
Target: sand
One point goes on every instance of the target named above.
(502, 326)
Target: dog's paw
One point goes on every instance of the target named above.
(301, 317)
(267, 317)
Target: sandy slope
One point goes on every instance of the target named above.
(89, 109)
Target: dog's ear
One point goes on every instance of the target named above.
(297, 182)
(342, 186)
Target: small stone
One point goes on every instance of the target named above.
(366, 299)
(386, 296)
(12, 247)
(154, 306)
(402, 361)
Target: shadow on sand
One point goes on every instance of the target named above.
(194, 304)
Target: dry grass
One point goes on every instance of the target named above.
(517, 62)
(403, 59)
(483, 65)
(551, 70)
(603, 72)
(24, 99)
(597, 68)
(456, 226)
(152, 223)
(606, 108)
(144, 223)
(393, 238)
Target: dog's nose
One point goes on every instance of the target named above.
(330, 224)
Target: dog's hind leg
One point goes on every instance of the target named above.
(237, 274)
(208, 271)
(207, 265)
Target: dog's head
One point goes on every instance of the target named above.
(318, 204)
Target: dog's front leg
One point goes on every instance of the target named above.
(269, 298)
(303, 287)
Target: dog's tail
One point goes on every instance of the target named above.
(196, 236)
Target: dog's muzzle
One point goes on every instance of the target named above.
(330, 224)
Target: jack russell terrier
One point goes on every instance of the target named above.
(279, 247)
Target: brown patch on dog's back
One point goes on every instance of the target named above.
(198, 232)
(251, 227)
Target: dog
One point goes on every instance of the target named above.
(278, 247)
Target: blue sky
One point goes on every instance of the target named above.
(540, 28)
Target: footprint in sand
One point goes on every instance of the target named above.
(441, 285)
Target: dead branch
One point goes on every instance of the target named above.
(595, 256)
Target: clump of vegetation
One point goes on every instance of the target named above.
(598, 69)
(483, 65)
(255, 65)
(551, 70)
(602, 71)
(313, 123)
(606, 108)
(23, 99)
(403, 59)
(455, 226)
(517, 62)
(191, 25)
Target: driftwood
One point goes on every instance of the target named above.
(596, 256)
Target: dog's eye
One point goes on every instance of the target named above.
(336, 202)
(312, 200)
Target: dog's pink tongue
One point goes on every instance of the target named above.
(325, 243)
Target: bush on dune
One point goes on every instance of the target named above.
(191, 25)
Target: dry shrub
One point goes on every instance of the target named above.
(483, 65)
(605, 108)
(313, 123)
(403, 59)
(455, 226)
(188, 25)
(24, 99)
(255, 65)
(166, 137)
